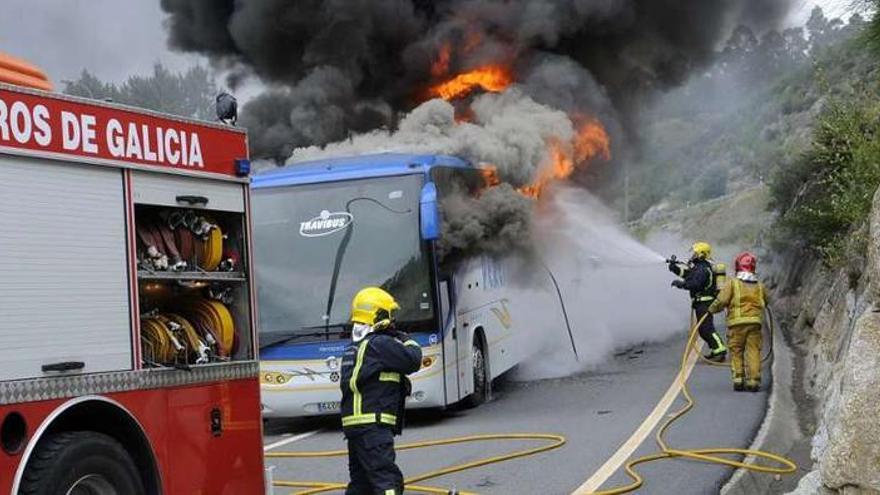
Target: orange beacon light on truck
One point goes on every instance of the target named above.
(20, 73)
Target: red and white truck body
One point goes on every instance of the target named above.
(73, 173)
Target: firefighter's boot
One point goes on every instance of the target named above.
(738, 384)
(719, 353)
(753, 385)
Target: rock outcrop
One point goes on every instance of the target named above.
(836, 326)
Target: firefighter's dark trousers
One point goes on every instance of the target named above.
(707, 328)
(371, 462)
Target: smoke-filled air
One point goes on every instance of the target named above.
(536, 93)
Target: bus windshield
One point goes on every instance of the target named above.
(316, 245)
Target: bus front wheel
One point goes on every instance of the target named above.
(81, 463)
(481, 376)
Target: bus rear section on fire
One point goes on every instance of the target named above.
(126, 309)
(324, 230)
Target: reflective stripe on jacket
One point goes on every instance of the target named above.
(372, 379)
(699, 280)
(744, 302)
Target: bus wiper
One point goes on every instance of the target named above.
(343, 246)
(343, 329)
(269, 339)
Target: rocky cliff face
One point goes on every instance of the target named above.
(832, 318)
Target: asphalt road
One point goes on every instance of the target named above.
(596, 412)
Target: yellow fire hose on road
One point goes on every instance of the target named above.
(711, 455)
(555, 441)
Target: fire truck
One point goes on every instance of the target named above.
(127, 315)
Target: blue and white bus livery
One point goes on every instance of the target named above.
(324, 230)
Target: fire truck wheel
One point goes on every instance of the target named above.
(81, 463)
(481, 382)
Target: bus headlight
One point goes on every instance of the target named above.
(428, 361)
(274, 378)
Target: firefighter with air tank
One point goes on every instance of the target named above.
(374, 387)
(700, 276)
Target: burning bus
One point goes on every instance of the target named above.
(324, 230)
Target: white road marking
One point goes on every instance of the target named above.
(295, 438)
(632, 443)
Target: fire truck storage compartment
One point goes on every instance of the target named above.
(64, 288)
(193, 286)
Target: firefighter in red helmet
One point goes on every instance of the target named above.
(744, 298)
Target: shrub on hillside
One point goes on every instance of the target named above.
(826, 194)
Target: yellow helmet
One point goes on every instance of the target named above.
(701, 250)
(373, 305)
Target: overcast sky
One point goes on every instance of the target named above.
(116, 38)
(111, 38)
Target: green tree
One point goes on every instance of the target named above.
(188, 94)
(827, 192)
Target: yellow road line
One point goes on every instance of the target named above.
(638, 437)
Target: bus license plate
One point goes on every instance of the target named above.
(328, 406)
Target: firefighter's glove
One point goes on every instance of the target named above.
(382, 325)
(401, 336)
(673, 265)
(678, 284)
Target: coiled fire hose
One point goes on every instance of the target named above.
(711, 455)
(313, 487)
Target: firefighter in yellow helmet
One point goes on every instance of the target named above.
(744, 298)
(374, 387)
(698, 278)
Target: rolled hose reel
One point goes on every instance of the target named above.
(179, 245)
(173, 338)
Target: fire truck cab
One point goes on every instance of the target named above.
(127, 316)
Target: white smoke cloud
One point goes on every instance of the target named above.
(616, 290)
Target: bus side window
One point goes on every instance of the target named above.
(447, 323)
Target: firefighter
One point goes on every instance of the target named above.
(374, 386)
(698, 277)
(744, 298)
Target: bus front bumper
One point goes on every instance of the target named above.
(321, 395)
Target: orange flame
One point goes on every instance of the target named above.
(591, 141)
(440, 67)
(490, 175)
(493, 78)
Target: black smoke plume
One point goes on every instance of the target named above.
(344, 66)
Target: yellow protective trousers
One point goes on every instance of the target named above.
(744, 343)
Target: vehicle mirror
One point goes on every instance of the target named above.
(429, 213)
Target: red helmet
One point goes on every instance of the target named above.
(746, 262)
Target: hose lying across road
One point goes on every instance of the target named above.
(555, 441)
(711, 455)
